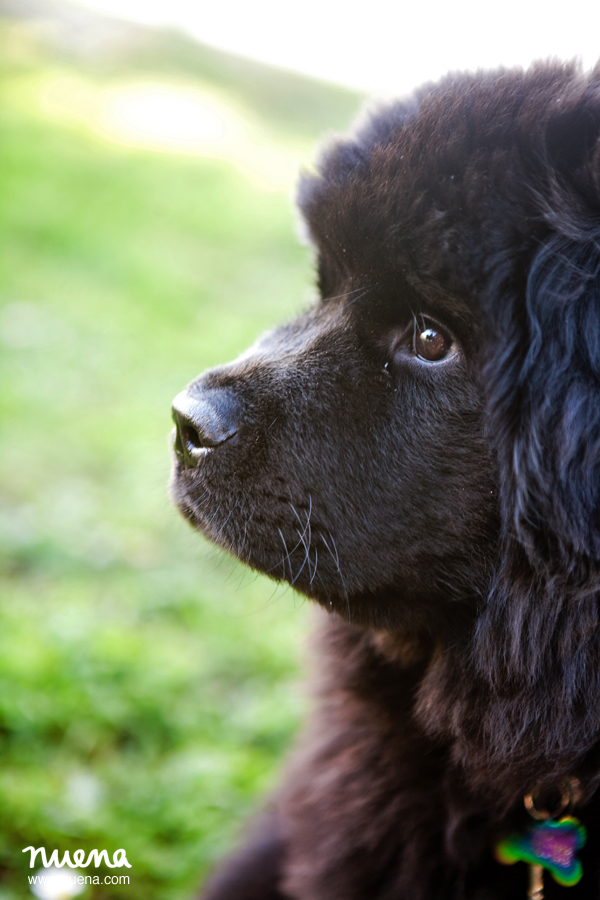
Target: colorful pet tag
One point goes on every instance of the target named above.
(551, 844)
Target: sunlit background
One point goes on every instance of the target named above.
(148, 684)
(382, 47)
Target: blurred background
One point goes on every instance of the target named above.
(149, 684)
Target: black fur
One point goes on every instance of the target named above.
(447, 513)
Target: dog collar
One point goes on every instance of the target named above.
(549, 843)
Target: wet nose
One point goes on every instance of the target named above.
(203, 421)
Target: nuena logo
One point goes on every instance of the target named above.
(98, 856)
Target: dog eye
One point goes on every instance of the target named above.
(432, 343)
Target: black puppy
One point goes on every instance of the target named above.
(420, 454)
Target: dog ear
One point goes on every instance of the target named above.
(543, 371)
(545, 406)
(537, 641)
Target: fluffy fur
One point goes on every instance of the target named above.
(446, 514)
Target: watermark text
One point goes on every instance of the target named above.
(80, 879)
(97, 856)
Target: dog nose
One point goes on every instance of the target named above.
(202, 422)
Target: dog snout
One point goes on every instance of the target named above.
(203, 422)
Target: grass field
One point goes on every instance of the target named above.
(148, 684)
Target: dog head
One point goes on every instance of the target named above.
(345, 452)
(421, 449)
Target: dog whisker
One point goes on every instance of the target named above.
(302, 538)
(302, 525)
(363, 291)
(287, 555)
(315, 567)
(245, 534)
(306, 559)
(335, 557)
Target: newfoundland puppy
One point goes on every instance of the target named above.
(419, 453)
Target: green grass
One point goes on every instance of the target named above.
(147, 683)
